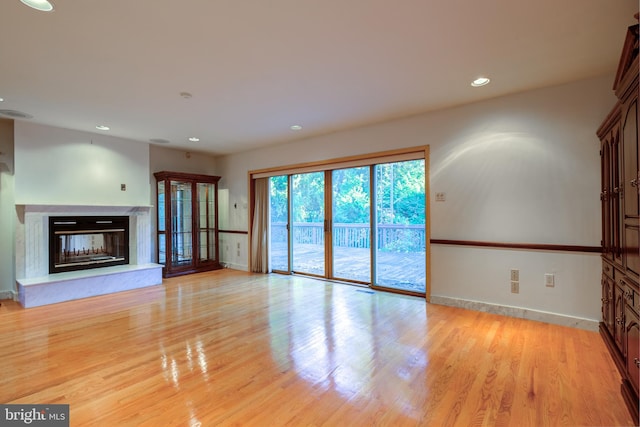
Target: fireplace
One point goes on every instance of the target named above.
(128, 267)
(86, 242)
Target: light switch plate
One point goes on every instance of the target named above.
(515, 287)
(549, 280)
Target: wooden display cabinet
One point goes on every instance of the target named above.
(187, 237)
(620, 228)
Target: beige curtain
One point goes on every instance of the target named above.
(259, 227)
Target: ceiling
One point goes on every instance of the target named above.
(256, 67)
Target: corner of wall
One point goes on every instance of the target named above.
(7, 210)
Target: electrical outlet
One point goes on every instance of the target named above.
(515, 287)
(515, 275)
(549, 280)
(441, 197)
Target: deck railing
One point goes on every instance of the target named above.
(396, 237)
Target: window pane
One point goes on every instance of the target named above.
(278, 217)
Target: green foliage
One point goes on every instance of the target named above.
(400, 190)
(351, 201)
(400, 195)
(278, 193)
(308, 196)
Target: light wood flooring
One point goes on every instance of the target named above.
(232, 348)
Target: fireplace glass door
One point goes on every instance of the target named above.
(85, 242)
(187, 222)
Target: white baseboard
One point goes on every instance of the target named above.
(519, 312)
(233, 266)
(12, 295)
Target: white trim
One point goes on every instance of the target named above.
(12, 295)
(234, 266)
(519, 312)
(71, 209)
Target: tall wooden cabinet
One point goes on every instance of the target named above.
(187, 238)
(620, 212)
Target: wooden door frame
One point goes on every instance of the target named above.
(420, 152)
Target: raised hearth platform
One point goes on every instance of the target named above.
(60, 287)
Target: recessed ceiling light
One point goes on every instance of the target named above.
(194, 139)
(480, 81)
(15, 114)
(102, 127)
(1, 99)
(185, 95)
(42, 5)
(295, 127)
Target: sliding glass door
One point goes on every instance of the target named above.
(279, 223)
(400, 226)
(351, 224)
(364, 224)
(308, 223)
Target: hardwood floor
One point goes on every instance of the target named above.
(232, 348)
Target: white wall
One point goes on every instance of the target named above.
(522, 168)
(169, 159)
(61, 166)
(7, 210)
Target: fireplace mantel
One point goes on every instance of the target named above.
(32, 261)
(62, 209)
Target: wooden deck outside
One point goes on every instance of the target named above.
(395, 269)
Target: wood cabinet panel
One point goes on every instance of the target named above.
(618, 327)
(632, 185)
(608, 313)
(630, 138)
(620, 185)
(632, 333)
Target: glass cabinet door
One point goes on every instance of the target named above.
(206, 222)
(181, 223)
(162, 228)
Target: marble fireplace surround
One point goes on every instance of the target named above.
(37, 287)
